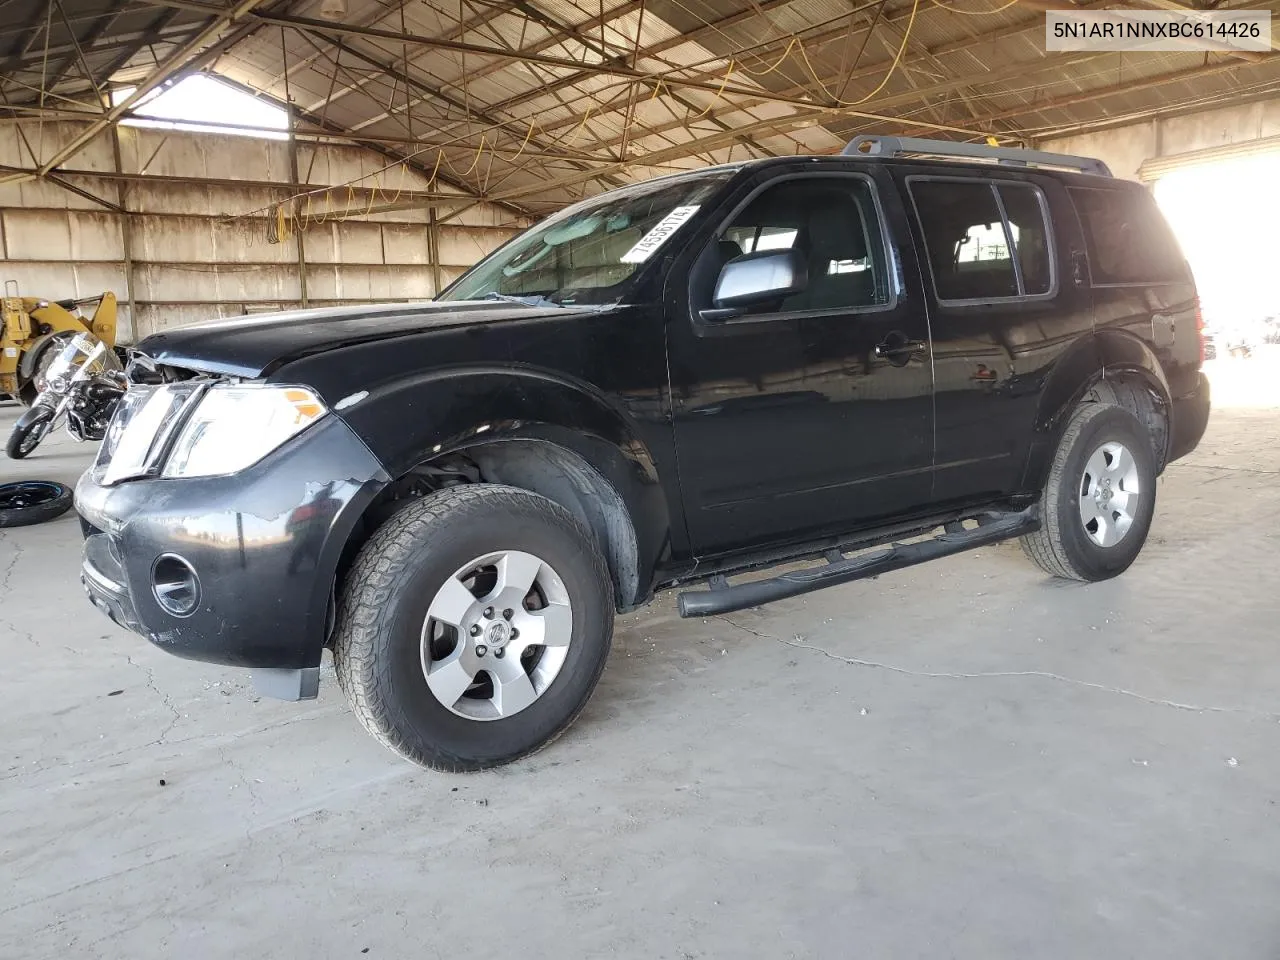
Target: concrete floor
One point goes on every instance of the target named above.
(964, 759)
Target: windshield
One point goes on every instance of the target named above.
(84, 353)
(591, 252)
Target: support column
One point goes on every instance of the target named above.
(433, 250)
(126, 232)
(297, 235)
(293, 169)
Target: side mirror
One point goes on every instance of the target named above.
(757, 278)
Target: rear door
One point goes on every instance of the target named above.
(996, 253)
(812, 415)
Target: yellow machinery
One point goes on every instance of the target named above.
(35, 330)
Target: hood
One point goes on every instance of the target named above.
(255, 346)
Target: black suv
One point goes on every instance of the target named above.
(867, 361)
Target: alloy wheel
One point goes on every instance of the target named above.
(1110, 492)
(496, 635)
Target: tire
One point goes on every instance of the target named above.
(397, 579)
(28, 431)
(1136, 398)
(25, 502)
(1065, 546)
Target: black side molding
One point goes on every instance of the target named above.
(724, 597)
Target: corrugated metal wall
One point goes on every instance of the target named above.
(1127, 148)
(190, 250)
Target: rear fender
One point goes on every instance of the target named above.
(411, 421)
(1108, 354)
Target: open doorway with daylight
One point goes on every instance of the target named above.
(1226, 215)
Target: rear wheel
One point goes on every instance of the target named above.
(1100, 496)
(473, 627)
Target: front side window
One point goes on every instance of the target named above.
(592, 252)
(985, 241)
(831, 222)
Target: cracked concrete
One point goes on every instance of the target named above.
(164, 698)
(963, 759)
(798, 643)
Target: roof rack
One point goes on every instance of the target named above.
(874, 146)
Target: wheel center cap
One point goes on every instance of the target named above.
(497, 634)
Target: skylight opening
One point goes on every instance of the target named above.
(201, 104)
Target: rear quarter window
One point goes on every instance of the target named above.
(1128, 240)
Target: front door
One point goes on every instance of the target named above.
(811, 415)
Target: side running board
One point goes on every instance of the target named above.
(724, 597)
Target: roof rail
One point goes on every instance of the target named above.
(874, 146)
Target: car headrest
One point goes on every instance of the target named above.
(728, 249)
(835, 233)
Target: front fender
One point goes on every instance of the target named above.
(409, 421)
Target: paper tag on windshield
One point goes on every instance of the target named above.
(651, 241)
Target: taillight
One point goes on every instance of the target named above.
(1200, 329)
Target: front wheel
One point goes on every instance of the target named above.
(1100, 496)
(30, 429)
(473, 627)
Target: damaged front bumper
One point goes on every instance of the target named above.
(238, 569)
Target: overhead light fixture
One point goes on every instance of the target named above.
(333, 9)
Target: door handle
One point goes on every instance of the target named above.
(896, 348)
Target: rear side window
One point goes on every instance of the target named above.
(1024, 207)
(1127, 238)
(985, 241)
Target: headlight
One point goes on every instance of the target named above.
(140, 429)
(235, 426)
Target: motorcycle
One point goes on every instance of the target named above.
(33, 332)
(83, 384)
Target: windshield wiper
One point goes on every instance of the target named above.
(533, 300)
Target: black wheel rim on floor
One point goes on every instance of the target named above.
(28, 493)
